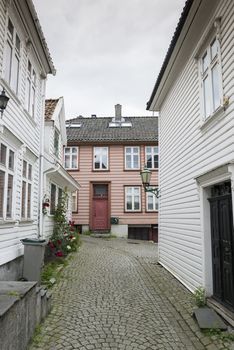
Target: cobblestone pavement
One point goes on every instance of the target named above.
(114, 296)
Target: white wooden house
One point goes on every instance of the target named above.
(56, 179)
(25, 63)
(194, 94)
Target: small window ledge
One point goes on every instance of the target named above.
(212, 119)
(8, 223)
(26, 222)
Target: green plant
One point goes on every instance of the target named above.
(200, 296)
(86, 233)
(65, 238)
(51, 272)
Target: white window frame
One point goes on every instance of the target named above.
(129, 191)
(99, 150)
(132, 154)
(152, 154)
(7, 171)
(74, 197)
(155, 202)
(30, 91)
(9, 65)
(26, 211)
(70, 154)
(55, 197)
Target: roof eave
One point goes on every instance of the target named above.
(151, 104)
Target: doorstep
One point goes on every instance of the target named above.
(224, 312)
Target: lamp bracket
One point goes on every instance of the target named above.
(154, 190)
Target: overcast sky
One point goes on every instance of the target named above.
(106, 51)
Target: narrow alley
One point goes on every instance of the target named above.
(113, 295)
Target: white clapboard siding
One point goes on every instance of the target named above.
(26, 132)
(186, 151)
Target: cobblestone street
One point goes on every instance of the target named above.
(113, 295)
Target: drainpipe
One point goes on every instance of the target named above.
(41, 163)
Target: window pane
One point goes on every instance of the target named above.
(128, 150)
(32, 102)
(156, 161)
(104, 162)
(2, 182)
(67, 150)
(11, 160)
(67, 161)
(29, 171)
(29, 201)
(149, 162)
(24, 168)
(10, 29)
(206, 97)
(128, 162)
(135, 149)
(15, 74)
(97, 161)
(150, 202)
(74, 201)
(137, 203)
(136, 191)
(156, 149)
(74, 150)
(135, 161)
(215, 87)
(129, 203)
(3, 150)
(8, 62)
(9, 196)
(214, 49)
(17, 44)
(23, 209)
(60, 195)
(52, 199)
(56, 143)
(205, 62)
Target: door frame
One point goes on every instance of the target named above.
(204, 184)
(91, 185)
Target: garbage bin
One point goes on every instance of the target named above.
(34, 250)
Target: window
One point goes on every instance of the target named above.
(132, 199)
(100, 158)
(56, 143)
(71, 157)
(151, 157)
(132, 158)
(7, 160)
(30, 90)
(26, 197)
(52, 199)
(211, 78)
(12, 58)
(75, 202)
(151, 202)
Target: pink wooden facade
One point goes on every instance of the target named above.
(116, 178)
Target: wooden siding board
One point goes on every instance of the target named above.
(198, 151)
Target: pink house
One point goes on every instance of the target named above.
(106, 155)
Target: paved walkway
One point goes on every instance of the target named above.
(114, 296)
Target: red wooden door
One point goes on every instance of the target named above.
(100, 217)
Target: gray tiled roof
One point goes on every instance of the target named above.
(98, 130)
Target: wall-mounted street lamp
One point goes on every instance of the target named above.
(145, 178)
(3, 101)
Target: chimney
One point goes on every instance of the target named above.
(118, 113)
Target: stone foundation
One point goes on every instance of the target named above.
(12, 271)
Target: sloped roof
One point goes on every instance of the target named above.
(98, 130)
(179, 27)
(50, 106)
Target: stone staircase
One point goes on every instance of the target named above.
(23, 305)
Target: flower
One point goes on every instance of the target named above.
(73, 238)
(59, 241)
(68, 247)
(51, 244)
(59, 253)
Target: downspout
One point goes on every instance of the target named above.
(41, 162)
